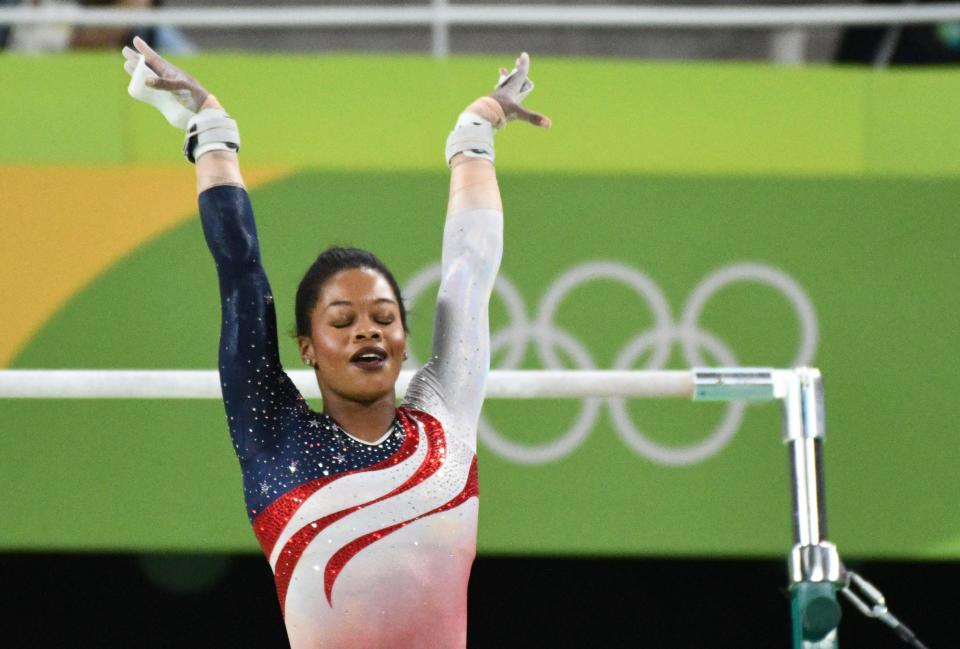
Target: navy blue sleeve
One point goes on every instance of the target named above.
(260, 399)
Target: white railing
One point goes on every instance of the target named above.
(512, 15)
(440, 15)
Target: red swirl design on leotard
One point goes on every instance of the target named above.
(347, 552)
(292, 551)
(270, 523)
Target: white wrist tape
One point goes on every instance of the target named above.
(472, 136)
(210, 130)
(175, 112)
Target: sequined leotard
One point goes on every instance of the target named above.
(371, 544)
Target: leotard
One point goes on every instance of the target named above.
(371, 544)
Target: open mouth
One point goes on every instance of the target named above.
(369, 358)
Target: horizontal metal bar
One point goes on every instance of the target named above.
(518, 15)
(205, 384)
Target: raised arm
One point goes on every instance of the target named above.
(455, 378)
(256, 391)
(473, 179)
(187, 104)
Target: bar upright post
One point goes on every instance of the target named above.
(814, 562)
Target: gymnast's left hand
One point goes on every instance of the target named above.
(504, 103)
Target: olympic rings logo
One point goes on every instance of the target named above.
(659, 341)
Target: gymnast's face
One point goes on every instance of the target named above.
(357, 341)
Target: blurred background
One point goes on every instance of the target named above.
(785, 183)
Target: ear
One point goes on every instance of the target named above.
(306, 351)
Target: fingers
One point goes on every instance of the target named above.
(523, 64)
(145, 49)
(132, 59)
(154, 61)
(159, 83)
(514, 86)
(534, 118)
(516, 82)
(519, 72)
(513, 111)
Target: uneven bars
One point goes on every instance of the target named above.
(205, 384)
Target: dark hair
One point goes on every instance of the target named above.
(330, 262)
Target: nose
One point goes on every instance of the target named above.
(367, 330)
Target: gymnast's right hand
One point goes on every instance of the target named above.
(184, 102)
(163, 85)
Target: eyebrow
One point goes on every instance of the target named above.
(379, 300)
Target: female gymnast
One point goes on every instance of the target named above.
(366, 512)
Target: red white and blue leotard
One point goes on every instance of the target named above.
(371, 544)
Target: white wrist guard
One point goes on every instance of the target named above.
(176, 113)
(472, 136)
(210, 130)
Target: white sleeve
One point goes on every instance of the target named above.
(451, 385)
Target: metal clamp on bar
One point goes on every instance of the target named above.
(802, 393)
(815, 563)
(734, 384)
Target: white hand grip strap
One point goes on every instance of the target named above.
(472, 136)
(175, 112)
(210, 130)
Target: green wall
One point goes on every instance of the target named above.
(838, 180)
(389, 113)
